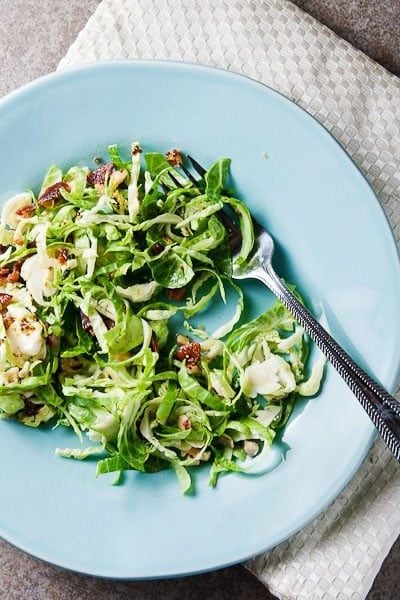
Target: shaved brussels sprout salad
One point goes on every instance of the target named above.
(100, 273)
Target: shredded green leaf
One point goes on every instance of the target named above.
(105, 264)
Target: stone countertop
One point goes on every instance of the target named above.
(34, 36)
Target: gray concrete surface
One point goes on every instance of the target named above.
(34, 35)
(373, 26)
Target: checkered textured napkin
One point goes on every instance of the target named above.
(339, 554)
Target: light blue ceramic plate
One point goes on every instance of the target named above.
(333, 242)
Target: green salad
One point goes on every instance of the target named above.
(101, 272)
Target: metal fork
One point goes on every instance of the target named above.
(382, 408)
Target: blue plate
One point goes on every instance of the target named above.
(333, 242)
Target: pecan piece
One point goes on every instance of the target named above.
(5, 300)
(190, 353)
(176, 294)
(14, 276)
(52, 194)
(99, 176)
(7, 276)
(86, 324)
(26, 211)
(8, 321)
(174, 157)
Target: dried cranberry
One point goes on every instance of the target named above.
(109, 323)
(52, 341)
(154, 343)
(156, 248)
(86, 324)
(176, 294)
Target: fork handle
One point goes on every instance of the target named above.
(382, 408)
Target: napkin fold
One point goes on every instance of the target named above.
(339, 554)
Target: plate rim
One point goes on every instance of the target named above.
(393, 377)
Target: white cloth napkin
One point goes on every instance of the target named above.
(339, 554)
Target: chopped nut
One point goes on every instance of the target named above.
(11, 277)
(174, 157)
(99, 176)
(184, 422)
(52, 194)
(181, 340)
(8, 321)
(190, 353)
(26, 211)
(5, 300)
(251, 448)
(15, 273)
